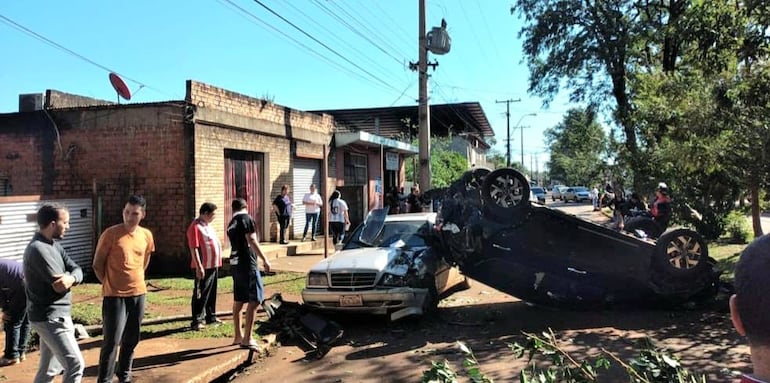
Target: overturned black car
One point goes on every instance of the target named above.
(488, 226)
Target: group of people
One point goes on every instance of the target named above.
(659, 211)
(339, 218)
(37, 292)
(398, 202)
(37, 295)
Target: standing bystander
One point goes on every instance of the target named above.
(313, 203)
(206, 259)
(247, 282)
(13, 302)
(750, 306)
(338, 217)
(121, 257)
(413, 200)
(282, 207)
(48, 276)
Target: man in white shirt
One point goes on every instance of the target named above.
(313, 203)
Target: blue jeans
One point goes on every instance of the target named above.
(59, 351)
(16, 328)
(121, 318)
(311, 217)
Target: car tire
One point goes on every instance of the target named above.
(645, 224)
(505, 193)
(681, 267)
(681, 251)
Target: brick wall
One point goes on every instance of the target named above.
(58, 99)
(125, 150)
(230, 120)
(208, 96)
(21, 151)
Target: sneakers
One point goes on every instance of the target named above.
(215, 322)
(10, 362)
(303, 239)
(198, 327)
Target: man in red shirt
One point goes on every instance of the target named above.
(206, 259)
(750, 306)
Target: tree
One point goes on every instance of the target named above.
(576, 145)
(446, 165)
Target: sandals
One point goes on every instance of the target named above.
(250, 346)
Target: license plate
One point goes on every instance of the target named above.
(351, 301)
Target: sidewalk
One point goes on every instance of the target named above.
(165, 359)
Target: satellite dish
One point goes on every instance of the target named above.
(120, 87)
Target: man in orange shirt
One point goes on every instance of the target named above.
(206, 259)
(121, 257)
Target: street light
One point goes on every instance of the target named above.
(522, 136)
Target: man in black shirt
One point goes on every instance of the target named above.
(413, 200)
(247, 282)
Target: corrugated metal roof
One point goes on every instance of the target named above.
(467, 117)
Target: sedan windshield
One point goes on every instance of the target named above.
(407, 231)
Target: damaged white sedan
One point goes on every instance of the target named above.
(386, 267)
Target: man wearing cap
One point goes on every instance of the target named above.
(750, 308)
(661, 206)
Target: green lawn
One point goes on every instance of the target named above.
(169, 293)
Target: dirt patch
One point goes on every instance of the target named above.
(374, 350)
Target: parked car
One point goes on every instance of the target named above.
(499, 238)
(539, 193)
(388, 269)
(556, 192)
(577, 194)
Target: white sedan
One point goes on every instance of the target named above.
(384, 268)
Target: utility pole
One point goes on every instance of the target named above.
(440, 43)
(423, 112)
(508, 129)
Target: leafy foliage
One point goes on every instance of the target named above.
(737, 228)
(652, 365)
(441, 372)
(576, 144)
(446, 164)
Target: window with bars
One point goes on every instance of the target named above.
(355, 169)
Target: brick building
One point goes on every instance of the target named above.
(214, 145)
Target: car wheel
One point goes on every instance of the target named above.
(505, 192)
(681, 251)
(681, 266)
(645, 224)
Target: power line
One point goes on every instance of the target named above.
(56, 45)
(489, 33)
(404, 38)
(325, 46)
(362, 35)
(338, 38)
(251, 17)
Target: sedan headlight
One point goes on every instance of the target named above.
(317, 280)
(393, 280)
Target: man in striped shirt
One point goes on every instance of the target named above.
(206, 259)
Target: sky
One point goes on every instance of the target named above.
(303, 54)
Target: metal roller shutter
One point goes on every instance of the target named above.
(18, 225)
(306, 172)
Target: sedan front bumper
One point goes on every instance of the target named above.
(399, 301)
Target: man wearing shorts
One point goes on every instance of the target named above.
(247, 283)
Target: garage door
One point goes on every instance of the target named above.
(306, 172)
(18, 224)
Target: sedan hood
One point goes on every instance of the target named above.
(370, 258)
